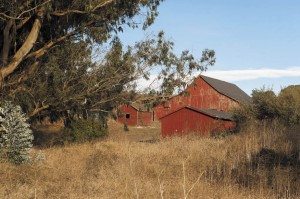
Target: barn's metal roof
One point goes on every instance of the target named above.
(217, 114)
(213, 113)
(209, 112)
(228, 89)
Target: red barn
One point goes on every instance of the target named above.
(207, 93)
(134, 115)
(193, 120)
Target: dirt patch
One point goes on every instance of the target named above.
(134, 134)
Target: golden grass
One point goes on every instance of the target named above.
(189, 167)
(135, 134)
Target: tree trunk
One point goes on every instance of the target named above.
(25, 48)
(8, 34)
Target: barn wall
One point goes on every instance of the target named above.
(204, 96)
(201, 95)
(132, 121)
(144, 118)
(185, 121)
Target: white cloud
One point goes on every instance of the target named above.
(265, 77)
(152, 83)
(239, 75)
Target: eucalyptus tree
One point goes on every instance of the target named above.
(47, 47)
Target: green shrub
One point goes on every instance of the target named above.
(126, 127)
(289, 104)
(85, 130)
(267, 106)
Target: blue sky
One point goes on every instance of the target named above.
(257, 42)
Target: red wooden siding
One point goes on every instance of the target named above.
(127, 109)
(200, 95)
(144, 118)
(185, 120)
(137, 118)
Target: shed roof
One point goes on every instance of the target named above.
(214, 113)
(228, 89)
(209, 112)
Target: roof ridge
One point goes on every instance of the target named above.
(224, 115)
(228, 89)
(216, 79)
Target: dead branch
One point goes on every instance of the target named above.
(73, 11)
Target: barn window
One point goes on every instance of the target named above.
(127, 115)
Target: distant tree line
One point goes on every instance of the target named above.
(266, 105)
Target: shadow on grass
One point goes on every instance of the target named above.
(276, 171)
(44, 139)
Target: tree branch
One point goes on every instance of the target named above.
(25, 48)
(102, 5)
(5, 16)
(24, 21)
(23, 76)
(37, 110)
(66, 12)
(18, 89)
(37, 54)
(29, 10)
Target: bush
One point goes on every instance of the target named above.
(267, 106)
(85, 130)
(289, 104)
(15, 135)
(126, 127)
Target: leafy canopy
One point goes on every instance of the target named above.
(47, 55)
(266, 105)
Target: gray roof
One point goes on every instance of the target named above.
(209, 112)
(228, 89)
(213, 113)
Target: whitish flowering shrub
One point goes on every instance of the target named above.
(15, 135)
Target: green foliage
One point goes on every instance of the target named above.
(84, 130)
(126, 127)
(93, 19)
(289, 104)
(174, 71)
(70, 75)
(60, 74)
(15, 134)
(77, 62)
(267, 106)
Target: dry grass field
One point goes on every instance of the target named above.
(260, 162)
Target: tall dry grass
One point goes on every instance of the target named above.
(260, 162)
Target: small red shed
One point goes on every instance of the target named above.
(134, 115)
(205, 92)
(201, 121)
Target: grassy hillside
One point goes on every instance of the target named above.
(260, 162)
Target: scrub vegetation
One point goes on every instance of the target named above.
(262, 161)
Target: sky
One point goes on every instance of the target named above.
(257, 42)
